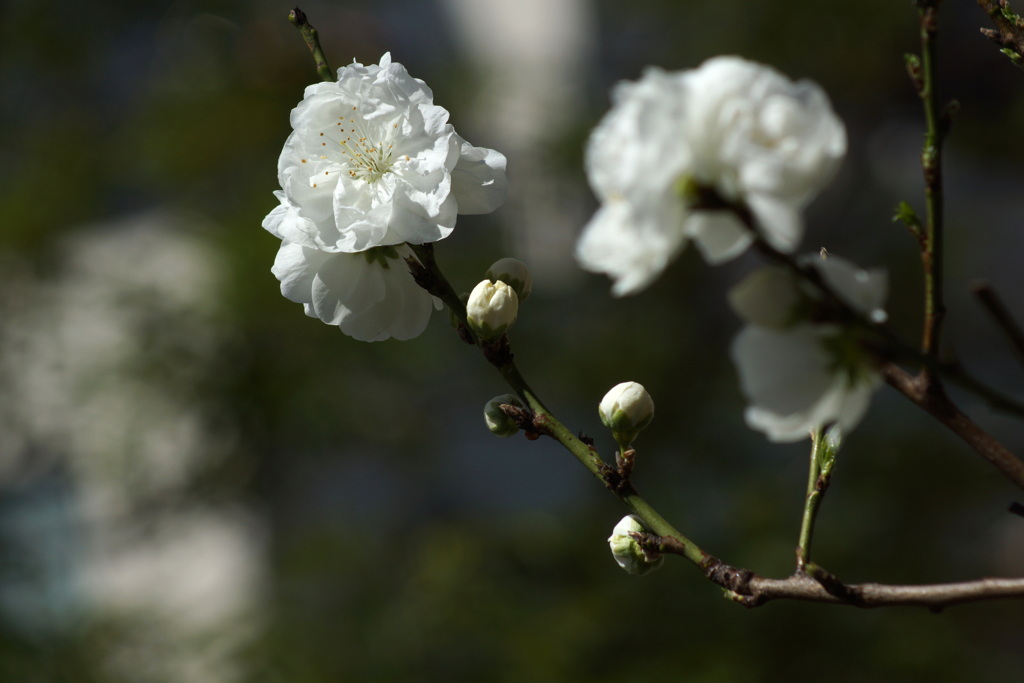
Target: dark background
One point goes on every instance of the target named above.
(198, 483)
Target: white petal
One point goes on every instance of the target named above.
(366, 300)
(632, 249)
(768, 297)
(719, 235)
(296, 266)
(778, 220)
(864, 290)
(346, 284)
(478, 181)
(785, 375)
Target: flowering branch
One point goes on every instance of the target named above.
(1009, 31)
(312, 39)
(325, 262)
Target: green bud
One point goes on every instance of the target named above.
(626, 549)
(626, 409)
(515, 273)
(497, 420)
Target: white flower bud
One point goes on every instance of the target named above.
(491, 309)
(497, 420)
(626, 550)
(515, 273)
(626, 409)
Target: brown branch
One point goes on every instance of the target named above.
(753, 590)
(1008, 33)
(760, 590)
(936, 402)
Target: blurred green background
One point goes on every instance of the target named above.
(198, 483)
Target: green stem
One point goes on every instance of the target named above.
(309, 35)
(499, 355)
(811, 503)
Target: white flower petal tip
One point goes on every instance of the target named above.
(732, 128)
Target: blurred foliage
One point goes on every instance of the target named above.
(406, 543)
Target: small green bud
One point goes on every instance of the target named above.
(491, 309)
(497, 420)
(626, 409)
(515, 273)
(626, 549)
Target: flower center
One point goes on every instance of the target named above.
(366, 150)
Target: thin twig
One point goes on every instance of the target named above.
(312, 39)
(940, 406)
(988, 298)
(936, 127)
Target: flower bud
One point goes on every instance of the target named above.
(491, 309)
(515, 273)
(626, 409)
(497, 419)
(626, 549)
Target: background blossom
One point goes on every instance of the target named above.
(800, 375)
(730, 130)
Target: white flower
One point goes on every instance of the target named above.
(732, 129)
(492, 308)
(626, 409)
(800, 375)
(370, 296)
(372, 161)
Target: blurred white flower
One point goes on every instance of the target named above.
(799, 373)
(372, 161)
(730, 129)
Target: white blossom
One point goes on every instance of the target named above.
(797, 373)
(372, 161)
(732, 129)
(370, 296)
